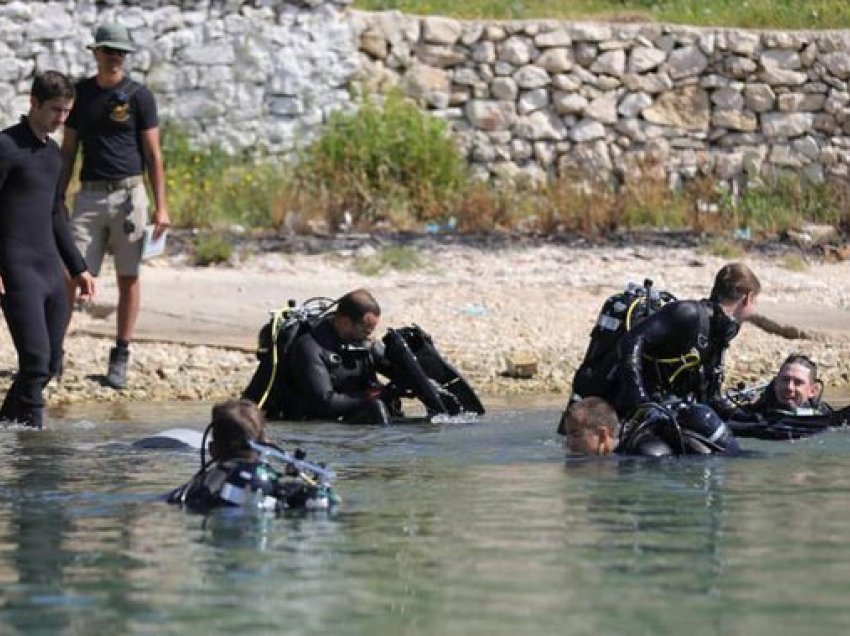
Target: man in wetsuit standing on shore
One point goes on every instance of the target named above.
(36, 246)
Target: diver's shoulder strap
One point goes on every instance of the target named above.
(704, 329)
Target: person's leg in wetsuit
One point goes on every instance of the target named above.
(35, 306)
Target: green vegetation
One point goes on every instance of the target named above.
(400, 258)
(786, 201)
(208, 187)
(211, 249)
(723, 248)
(795, 263)
(392, 166)
(386, 162)
(786, 14)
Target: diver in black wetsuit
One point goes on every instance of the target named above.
(678, 352)
(36, 246)
(789, 407)
(332, 369)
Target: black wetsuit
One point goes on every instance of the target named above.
(35, 248)
(766, 418)
(677, 427)
(676, 330)
(330, 379)
(769, 407)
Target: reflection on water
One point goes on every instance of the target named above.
(449, 529)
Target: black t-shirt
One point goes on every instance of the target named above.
(108, 122)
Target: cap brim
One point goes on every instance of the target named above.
(121, 46)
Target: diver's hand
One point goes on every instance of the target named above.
(652, 413)
(2, 288)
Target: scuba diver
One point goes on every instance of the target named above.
(591, 427)
(332, 369)
(787, 407)
(240, 475)
(678, 350)
(674, 353)
(319, 362)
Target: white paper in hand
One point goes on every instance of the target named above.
(150, 246)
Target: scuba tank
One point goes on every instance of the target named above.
(267, 387)
(619, 314)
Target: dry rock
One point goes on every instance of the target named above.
(687, 108)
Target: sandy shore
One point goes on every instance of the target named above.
(480, 305)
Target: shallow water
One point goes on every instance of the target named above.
(478, 528)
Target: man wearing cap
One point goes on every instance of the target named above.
(115, 120)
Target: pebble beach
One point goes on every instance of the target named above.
(483, 306)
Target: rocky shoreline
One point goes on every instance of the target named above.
(482, 305)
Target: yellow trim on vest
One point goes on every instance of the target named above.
(690, 360)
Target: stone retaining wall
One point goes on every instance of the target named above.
(255, 74)
(623, 101)
(535, 98)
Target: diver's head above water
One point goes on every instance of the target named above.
(797, 382)
(357, 314)
(590, 427)
(234, 424)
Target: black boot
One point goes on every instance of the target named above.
(119, 358)
(33, 417)
(10, 411)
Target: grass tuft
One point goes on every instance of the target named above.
(212, 249)
(795, 263)
(399, 258)
(762, 14)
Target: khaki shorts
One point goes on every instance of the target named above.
(111, 221)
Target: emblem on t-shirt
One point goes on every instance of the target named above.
(120, 112)
(119, 106)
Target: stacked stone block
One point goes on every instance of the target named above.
(622, 101)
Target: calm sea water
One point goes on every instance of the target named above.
(479, 528)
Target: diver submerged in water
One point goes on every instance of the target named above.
(789, 406)
(238, 473)
(796, 389)
(591, 427)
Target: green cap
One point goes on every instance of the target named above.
(114, 36)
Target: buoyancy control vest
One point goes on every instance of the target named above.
(597, 374)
